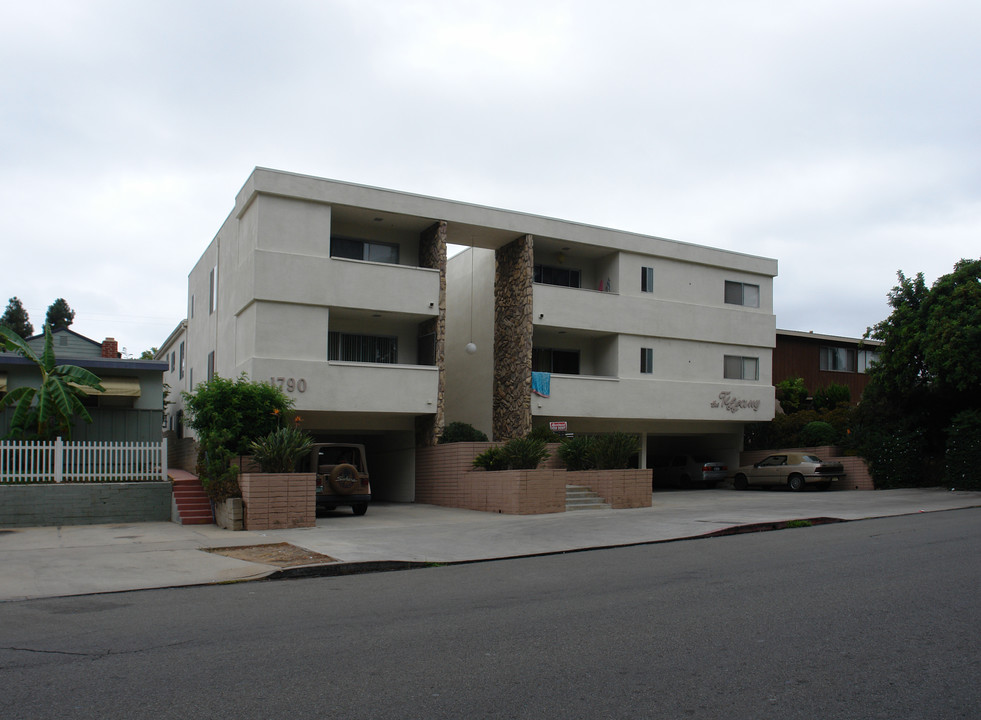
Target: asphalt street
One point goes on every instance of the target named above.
(870, 619)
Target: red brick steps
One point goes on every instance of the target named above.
(193, 506)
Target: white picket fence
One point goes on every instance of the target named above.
(61, 461)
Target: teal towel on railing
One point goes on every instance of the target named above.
(540, 382)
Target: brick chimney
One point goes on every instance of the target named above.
(110, 348)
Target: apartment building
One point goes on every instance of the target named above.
(342, 295)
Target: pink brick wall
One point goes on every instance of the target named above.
(273, 501)
(445, 476)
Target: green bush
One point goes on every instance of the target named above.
(491, 459)
(897, 457)
(792, 394)
(218, 478)
(517, 454)
(963, 457)
(461, 432)
(828, 398)
(280, 450)
(614, 451)
(543, 433)
(577, 453)
(524, 453)
(817, 433)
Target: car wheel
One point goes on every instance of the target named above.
(343, 479)
(740, 482)
(360, 508)
(796, 482)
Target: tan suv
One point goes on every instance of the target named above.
(342, 476)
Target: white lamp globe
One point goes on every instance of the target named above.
(471, 348)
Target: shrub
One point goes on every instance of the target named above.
(828, 398)
(218, 478)
(491, 459)
(576, 453)
(963, 456)
(792, 394)
(817, 433)
(280, 450)
(543, 433)
(524, 453)
(613, 451)
(897, 457)
(461, 432)
(517, 454)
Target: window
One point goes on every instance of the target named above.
(213, 290)
(866, 359)
(837, 359)
(192, 306)
(348, 347)
(561, 362)
(741, 368)
(355, 249)
(738, 293)
(647, 360)
(647, 279)
(172, 361)
(564, 277)
(211, 365)
(182, 361)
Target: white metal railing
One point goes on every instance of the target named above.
(61, 461)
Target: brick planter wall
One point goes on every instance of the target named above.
(621, 488)
(275, 501)
(445, 476)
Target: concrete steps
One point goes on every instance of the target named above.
(193, 505)
(578, 497)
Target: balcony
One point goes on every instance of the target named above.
(585, 396)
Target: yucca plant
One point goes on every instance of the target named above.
(281, 450)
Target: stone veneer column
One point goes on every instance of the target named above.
(432, 254)
(512, 339)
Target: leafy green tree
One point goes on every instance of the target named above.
(47, 411)
(828, 398)
(929, 371)
(792, 394)
(243, 409)
(60, 315)
(148, 354)
(15, 317)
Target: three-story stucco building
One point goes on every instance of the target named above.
(342, 295)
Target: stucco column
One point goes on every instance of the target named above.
(432, 254)
(512, 339)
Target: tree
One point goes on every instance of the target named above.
(928, 372)
(227, 416)
(148, 354)
(15, 317)
(60, 315)
(47, 411)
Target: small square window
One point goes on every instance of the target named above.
(741, 368)
(737, 293)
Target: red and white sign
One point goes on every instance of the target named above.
(560, 426)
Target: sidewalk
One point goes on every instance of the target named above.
(82, 559)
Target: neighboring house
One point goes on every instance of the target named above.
(131, 408)
(822, 360)
(339, 294)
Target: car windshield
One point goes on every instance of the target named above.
(338, 455)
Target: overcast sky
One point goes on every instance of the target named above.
(840, 137)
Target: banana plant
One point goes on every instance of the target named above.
(46, 411)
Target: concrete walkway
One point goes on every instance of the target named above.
(82, 559)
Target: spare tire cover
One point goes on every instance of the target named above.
(344, 479)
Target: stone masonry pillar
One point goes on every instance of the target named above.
(512, 339)
(432, 254)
